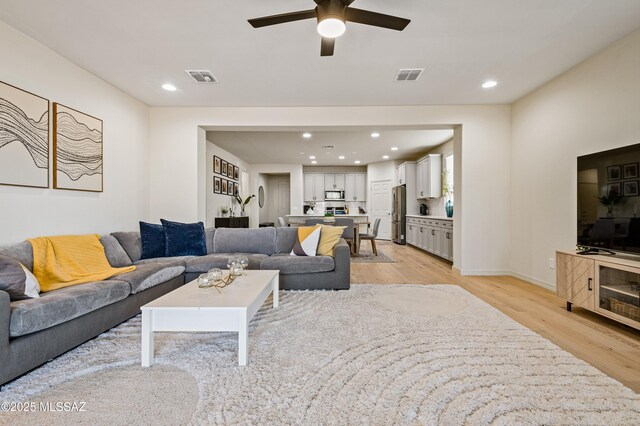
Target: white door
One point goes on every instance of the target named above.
(381, 207)
(284, 199)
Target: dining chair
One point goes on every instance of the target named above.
(372, 236)
(281, 222)
(349, 233)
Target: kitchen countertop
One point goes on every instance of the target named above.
(430, 217)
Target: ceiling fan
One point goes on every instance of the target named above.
(332, 16)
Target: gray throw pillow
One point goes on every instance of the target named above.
(12, 278)
(116, 255)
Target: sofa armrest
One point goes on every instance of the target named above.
(342, 258)
(5, 315)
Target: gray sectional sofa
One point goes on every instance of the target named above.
(34, 331)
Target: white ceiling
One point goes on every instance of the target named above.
(289, 147)
(139, 45)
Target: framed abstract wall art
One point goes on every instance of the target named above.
(216, 185)
(77, 150)
(24, 138)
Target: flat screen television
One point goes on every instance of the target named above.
(609, 200)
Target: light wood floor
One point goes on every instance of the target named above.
(610, 347)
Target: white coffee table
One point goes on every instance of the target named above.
(190, 308)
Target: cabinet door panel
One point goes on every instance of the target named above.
(361, 187)
(575, 280)
(309, 191)
(329, 182)
(338, 181)
(350, 187)
(319, 187)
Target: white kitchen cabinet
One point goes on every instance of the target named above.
(334, 182)
(401, 172)
(355, 187)
(431, 235)
(429, 177)
(313, 187)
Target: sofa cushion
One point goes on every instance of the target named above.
(285, 239)
(13, 278)
(184, 239)
(22, 252)
(239, 240)
(58, 306)
(153, 240)
(208, 234)
(149, 275)
(167, 261)
(288, 264)
(202, 264)
(131, 243)
(116, 255)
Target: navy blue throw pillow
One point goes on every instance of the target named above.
(152, 237)
(184, 239)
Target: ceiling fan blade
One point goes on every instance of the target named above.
(326, 48)
(283, 18)
(366, 17)
(346, 2)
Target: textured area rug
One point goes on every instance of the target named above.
(387, 354)
(367, 256)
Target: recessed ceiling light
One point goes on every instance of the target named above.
(489, 84)
(341, 157)
(306, 135)
(375, 135)
(356, 162)
(169, 87)
(385, 157)
(394, 148)
(314, 162)
(312, 157)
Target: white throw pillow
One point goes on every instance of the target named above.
(31, 286)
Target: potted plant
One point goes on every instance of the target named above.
(244, 203)
(224, 211)
(609, 201)
(447, 193)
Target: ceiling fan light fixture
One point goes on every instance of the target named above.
(331, 27)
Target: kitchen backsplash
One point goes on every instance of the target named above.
(352, 205)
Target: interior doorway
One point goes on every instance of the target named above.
(381, 207)
(277, 197)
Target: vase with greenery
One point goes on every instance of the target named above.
(244, 203)
(224, 211)
(447, 193)
(609, 201)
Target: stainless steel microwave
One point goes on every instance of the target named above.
(334, 195)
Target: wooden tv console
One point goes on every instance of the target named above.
(608, 285)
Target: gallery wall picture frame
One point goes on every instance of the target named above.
(236, 172)
(216, 185)
(216, 164)
(77, 150)
(236, 188)
(25, 162)
(630, 171)
(614, 188)
(630, 188)
(614, 173)
(230, 171)
(223, 168)
(230, 188)
(223, 186)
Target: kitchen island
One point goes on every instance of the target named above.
(359, 220)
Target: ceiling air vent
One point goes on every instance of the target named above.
(409, 74)
(328, 146)
(202, 76)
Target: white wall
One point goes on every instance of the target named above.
(485, 147)
(29, 212)
(296, 187)
(593, 107)
(215, 201)
(265, 211)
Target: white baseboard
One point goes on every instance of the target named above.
(531, 280)
(483, 272)
(539, 283)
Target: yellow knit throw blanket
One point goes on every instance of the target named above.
(69, 260)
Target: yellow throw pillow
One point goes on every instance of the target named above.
(329, 237)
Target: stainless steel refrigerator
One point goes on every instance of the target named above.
(399, 215)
